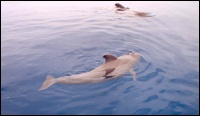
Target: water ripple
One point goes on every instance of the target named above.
(154, 97)
(143, 111)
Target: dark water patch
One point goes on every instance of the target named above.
(151, 75)
(143, 111)
(153, 97)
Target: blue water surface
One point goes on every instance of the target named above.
(65, 38)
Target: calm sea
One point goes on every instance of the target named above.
(65, 38)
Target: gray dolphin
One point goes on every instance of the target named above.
(122, 8)
(112, 68)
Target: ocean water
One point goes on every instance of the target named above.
(65, 38)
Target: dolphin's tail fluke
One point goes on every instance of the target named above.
(48, 82)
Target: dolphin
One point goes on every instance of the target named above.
(122, 8)
(112, 68)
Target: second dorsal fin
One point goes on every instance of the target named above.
(109, 57)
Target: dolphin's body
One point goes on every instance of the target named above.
(122, 8)
(111, 69)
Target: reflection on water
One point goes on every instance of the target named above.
(65, 38)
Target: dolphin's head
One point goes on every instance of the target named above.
(135, 55)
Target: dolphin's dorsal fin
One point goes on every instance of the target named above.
(109, 58)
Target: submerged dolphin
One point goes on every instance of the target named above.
(111, 69)
(122, 8)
